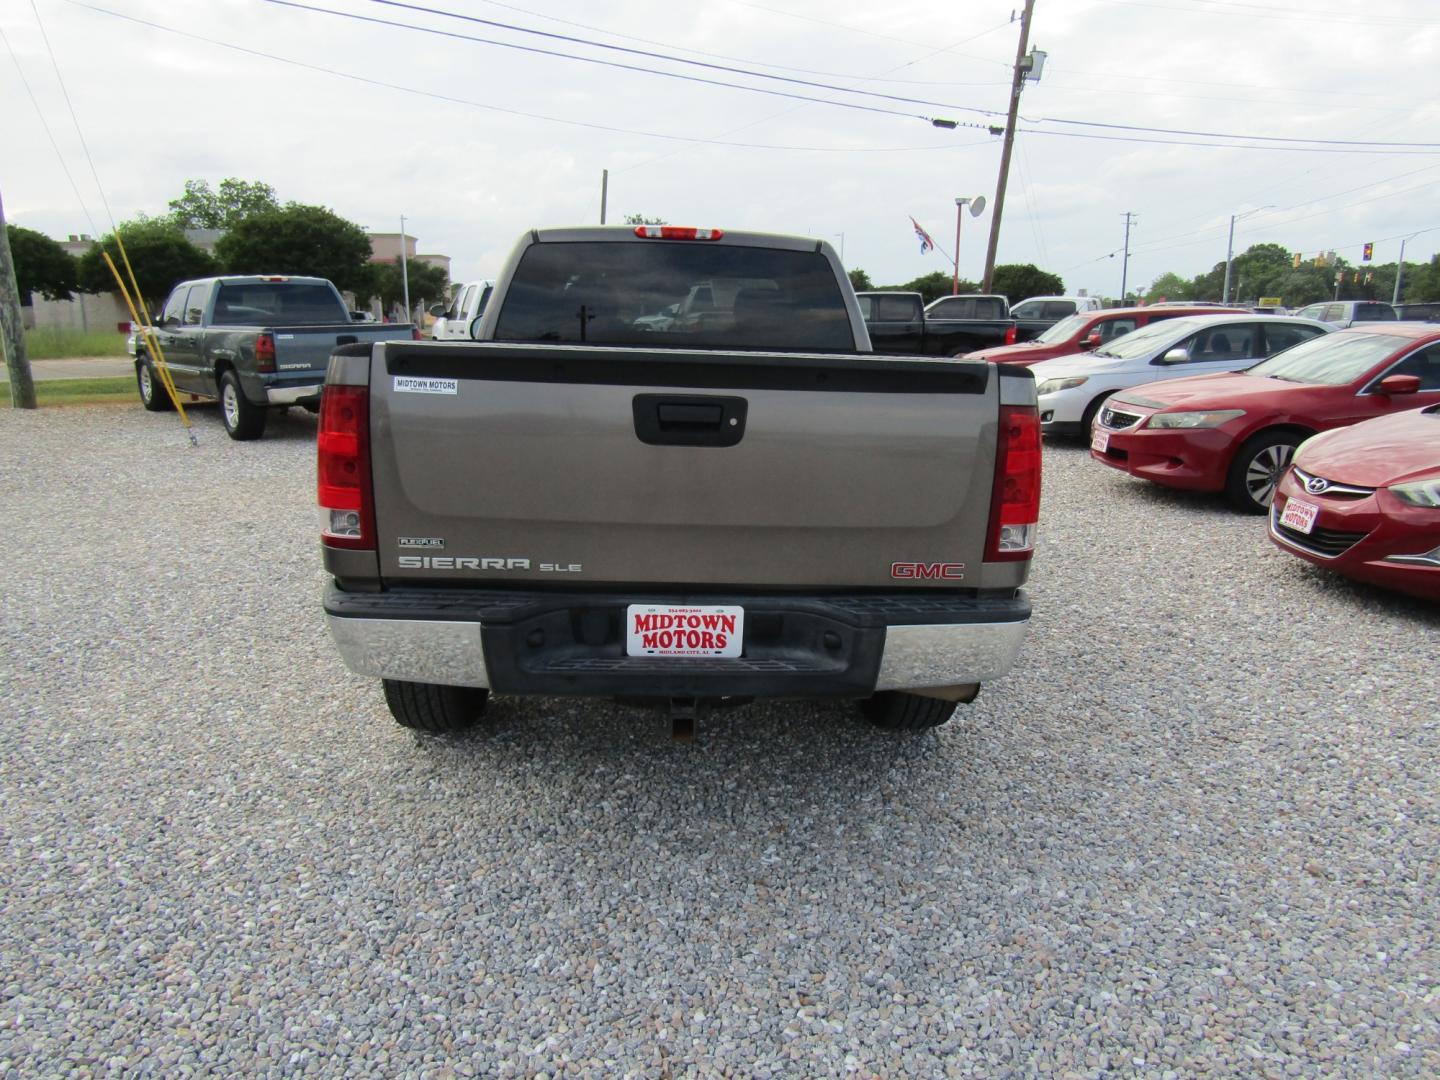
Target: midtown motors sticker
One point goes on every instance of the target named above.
(410, 384)
(659, 630)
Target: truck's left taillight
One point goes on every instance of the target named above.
(1015, 501)
(347, 512)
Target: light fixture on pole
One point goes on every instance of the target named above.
(977, 207)
(1230, 249)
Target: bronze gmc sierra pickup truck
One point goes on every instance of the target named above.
(755, 506)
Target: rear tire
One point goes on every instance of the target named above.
(893, 710)
(153, 395)
(1257, 468)
(243, 420)
(433, 708)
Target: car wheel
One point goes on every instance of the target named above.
(1087, 420)
(243, 420)
(433, 708)
(894, 710)
(153, 395)
(1257, 469)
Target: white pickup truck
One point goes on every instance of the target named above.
(761, 508)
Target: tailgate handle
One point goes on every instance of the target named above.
(346, 339)
(696, 416)
(698, 420)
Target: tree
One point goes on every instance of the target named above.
(860, 280)
(201, 208)
(159, 254)
(312, 241)
(41, 265)
(1168, 287)
(1021, 280)
(385, 281)
(934, 285)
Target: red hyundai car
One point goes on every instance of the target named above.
(1364, 501)
(1236, 432)
(1088, 330)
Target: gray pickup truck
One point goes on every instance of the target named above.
(575, 505)
(254, 343)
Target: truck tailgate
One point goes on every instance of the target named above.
(308, 348)
(569, 464)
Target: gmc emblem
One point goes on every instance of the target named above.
(946, 571)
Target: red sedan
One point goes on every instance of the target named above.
(1088, 330)
(1236, 432)
(1365, 502)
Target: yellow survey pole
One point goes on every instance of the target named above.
(153, 343)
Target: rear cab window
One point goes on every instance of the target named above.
(278, 303)
(1374, 313)
(726, 296)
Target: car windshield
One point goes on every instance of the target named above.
(1145, 341)
(1329, 360)
(1063, 330)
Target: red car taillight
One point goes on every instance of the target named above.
(264, 353)
(1015, 501)
(415, 335)
(1010, 336)
(346, 507)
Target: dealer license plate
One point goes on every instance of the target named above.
(1100, 440)
(665, 630)
(1299, 516)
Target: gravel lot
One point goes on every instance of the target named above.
(1195, 832)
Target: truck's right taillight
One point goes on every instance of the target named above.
(347, 512)
(1015, 501)
(1010, 335)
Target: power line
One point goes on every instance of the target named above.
(615, 64)
(469, 103)
(418, 8)
(49, 134)
(1228, 146)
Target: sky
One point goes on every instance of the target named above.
(1315, 125)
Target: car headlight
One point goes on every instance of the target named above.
(1424, 493)
(1052, 386)
(1193, 419)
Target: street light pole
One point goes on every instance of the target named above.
(1230, 250)
(404, 269)
(960, 202)
(1125, 262)
(1229, 257)
(1399, 273)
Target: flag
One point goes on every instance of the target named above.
(926, 244)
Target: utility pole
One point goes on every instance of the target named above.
(1125, 263)
(604, 192)
(12, 329)
(1016, 83)
(404, 270)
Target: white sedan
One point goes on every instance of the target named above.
(1072, 388)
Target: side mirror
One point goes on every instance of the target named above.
(436, 309)
(1176, 356)
(357, 316)
(1090, 341)
(1399, 384)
